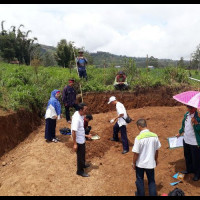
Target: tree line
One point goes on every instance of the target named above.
(15, 45)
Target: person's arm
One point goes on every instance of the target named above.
(196, 122)
(88, 136)
(75, 146)
(115, 82)
(182, 127)
(86, 60)
(114, 119)
(64, 96)
(156, 157)
(135, 157)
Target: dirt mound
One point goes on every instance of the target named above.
(15, 127)
(141, 97)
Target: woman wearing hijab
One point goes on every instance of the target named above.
(53, 113)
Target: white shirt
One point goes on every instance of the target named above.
(78, 126)
(121, 110)
(51, 113)
(146, 148)
(189, 134)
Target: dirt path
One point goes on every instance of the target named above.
(48, 169)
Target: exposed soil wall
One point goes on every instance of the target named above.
(159, 96)
(15, 127)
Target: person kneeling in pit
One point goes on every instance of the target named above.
(87, 128)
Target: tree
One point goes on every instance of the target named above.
(181, 63)
(195, 61)
(48, 59)
(64, 53)
(153, 62)
(15, 44)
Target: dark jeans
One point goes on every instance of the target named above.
(67, 112)
(121, 87)
(140, 181)
(192, 158)
(50, 129)
(124, 138)
(82, 74)
(80, 158)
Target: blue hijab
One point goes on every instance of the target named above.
(55, 102)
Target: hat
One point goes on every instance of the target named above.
(80, 51)
(112, 99)
(71, 80)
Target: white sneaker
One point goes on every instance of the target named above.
(57, 139)
(54, 140)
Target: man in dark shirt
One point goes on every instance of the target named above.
(69, 99)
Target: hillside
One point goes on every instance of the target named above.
(101, 58)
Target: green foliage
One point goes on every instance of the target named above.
(177, 74)
(22, 87)
(64, 53)
(15, 45)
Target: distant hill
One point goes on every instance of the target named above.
(100, 58)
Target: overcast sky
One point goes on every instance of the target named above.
(160, 30)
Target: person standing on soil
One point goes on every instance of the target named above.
(145, 158)
(53, 113)
(191, 142)
(120, 125)
(81, 63)
(69, 99)
(78, 135)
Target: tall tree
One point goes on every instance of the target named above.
(15, 44)
(64, 53)
(195, 61)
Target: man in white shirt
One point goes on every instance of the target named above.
(120, 125)
(145, 158)
(78, 135)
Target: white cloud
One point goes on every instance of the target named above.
(162, 31)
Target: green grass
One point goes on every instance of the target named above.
(30, 88)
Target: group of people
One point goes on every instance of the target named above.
(146, 144)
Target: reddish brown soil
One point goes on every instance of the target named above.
(158, 96)
(15, 127)
(35, 167)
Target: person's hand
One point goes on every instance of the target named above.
(90, 136)
(75, 147)
(134, 166)
(112, 120)
(178, 135)
(194, 121)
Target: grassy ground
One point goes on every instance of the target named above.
(30, 87)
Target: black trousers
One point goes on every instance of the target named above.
(67, 112)
(192, 158)
(50, 129)
(124, 137)
(140, 181)
(80, 158)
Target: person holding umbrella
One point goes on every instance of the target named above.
(191, 129)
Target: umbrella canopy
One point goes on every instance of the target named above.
(190, 98)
